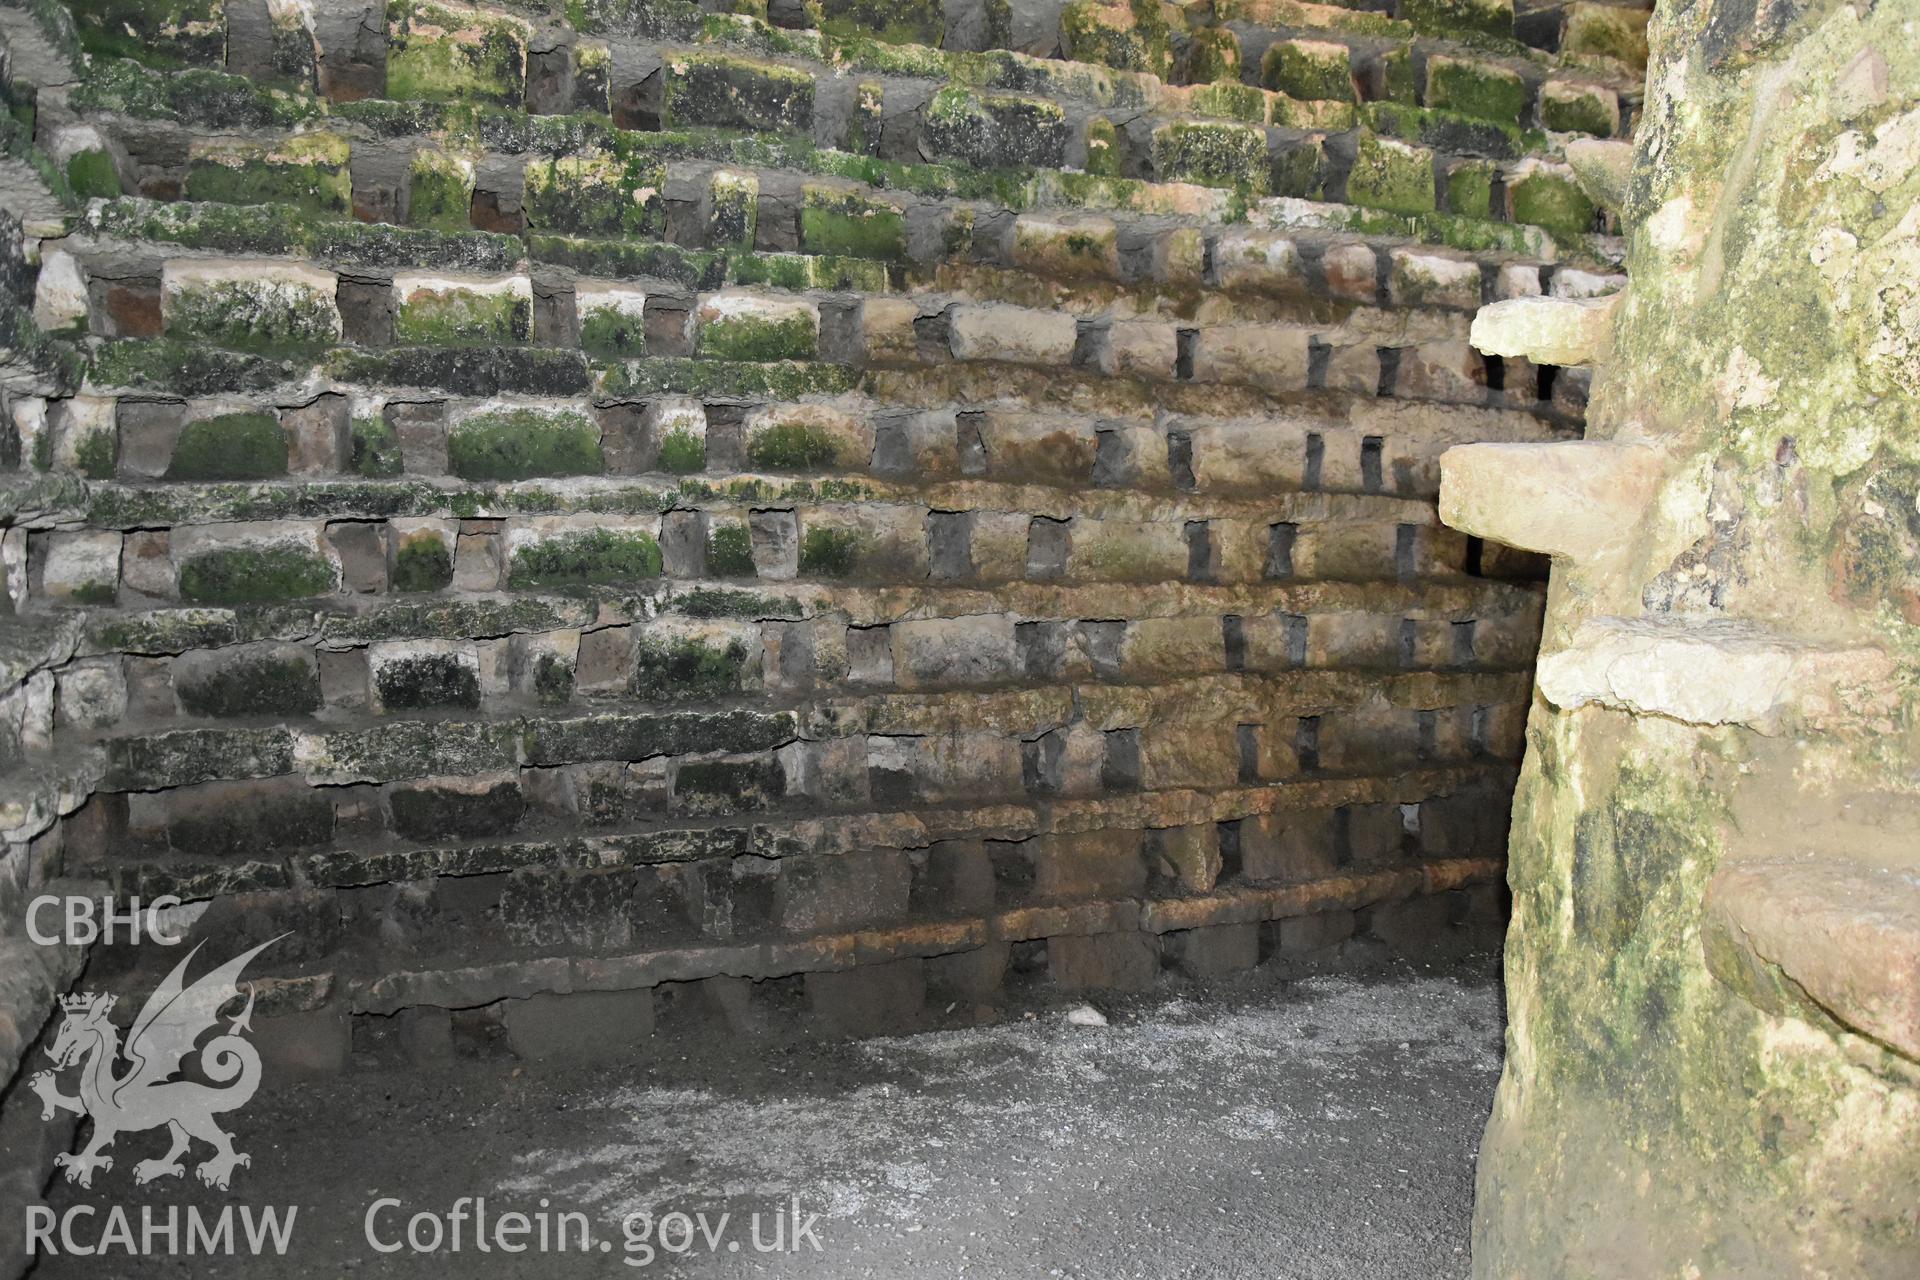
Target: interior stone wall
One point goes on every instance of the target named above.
(578, 515)
(1713, 970)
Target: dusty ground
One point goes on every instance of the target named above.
(1324, 1127)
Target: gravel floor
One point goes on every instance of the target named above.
(1322, 1127)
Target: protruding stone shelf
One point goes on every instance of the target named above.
(1574, 498)
(1821, 936)
(1601, 167)
(35, 793)
(1707, 672)
(1557, 331)
(31, 976)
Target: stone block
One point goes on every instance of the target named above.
(434, 309)
(747, 326)
(1392, 175)
(1296, 935)
(1066, 246)
(994, 130)
(579, 1026)
(1215, 950)
(1423, 278)
(294, 1046)
(1017, 335)
(874, 999)
(824, 893)
(1265, 356)
(612, 317)
(949, 652)
(1078, 866)
(1289, 845)
(1104, 962)
(1140, 349)
(81, 567)
(438, 51)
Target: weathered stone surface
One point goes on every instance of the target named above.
(1711, 672)
(1698, 1044)
(1577, 498)
(1558, 331)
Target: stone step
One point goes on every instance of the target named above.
(1578, 499)
(129, 238)
(33, 975)
(44, 786)
(1155, 165)
(363, 977)
(1553, 331)
(1718, 671)
(1602, 170)
(1821, 937)
(1439, 808)
(351, 621)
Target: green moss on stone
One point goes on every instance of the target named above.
(1298, 170)
(1397, 82)
(552, 678)
(259, 315)
(1575, 112)
(1231, 101)
(440, 192)
(438, 54)
(723, 91)
(1212, 155)
(830, 551)
(729, 550)
(683, 451)
(96, 455)
(256, 575)
(1213, 55)
(995, 130)
(686, 668)
(1470, 189)
(776, 380)
(308, 171)
(421, 564)
(593, 557)
(1477, 89)
(160, 33)
(789, 336)
(611, 331)
(733, 209)
(1454, 17)
(456, 317)
(376, 448)
(232, 446)
(792, 446)
(847, 224)
(91, 174)
(1548, 200)
(522, 444)
(1390, 175)
(597, 194)
(253, 685)
(1305, 70)
(1104, 158)
(894, 21)
(1129, 36)
(424, 680)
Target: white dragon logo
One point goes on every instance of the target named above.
(147, 1095)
